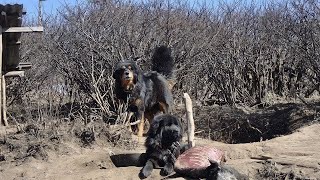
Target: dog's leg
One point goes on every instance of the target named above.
(148, 117)
(171, 157)
(167, 169)
(175, 149)
(163, 107)
(130, 114)
(141, 126)
(171, 83)
(140, 116)
(146, 170)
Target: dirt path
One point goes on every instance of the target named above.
(297, 153)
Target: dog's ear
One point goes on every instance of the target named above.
(115, 74)
(135, 78)
(134, 64)
(153, 130)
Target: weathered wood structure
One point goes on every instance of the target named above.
(10, 33)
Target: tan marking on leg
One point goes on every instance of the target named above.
(141, 127)
(148, 118)
(171, 83)
(163, 107)
(128, 120)
(138, 101)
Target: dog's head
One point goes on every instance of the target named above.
(127, 74)
(172, 131)
(166, 129)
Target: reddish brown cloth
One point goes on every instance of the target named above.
(194, 161)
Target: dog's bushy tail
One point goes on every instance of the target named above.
(162, 62)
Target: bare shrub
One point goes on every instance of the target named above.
(231, 52)
(272, 171)
(240, 52)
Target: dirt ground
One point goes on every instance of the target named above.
(31, 156)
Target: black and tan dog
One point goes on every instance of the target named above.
(162, 144)
(148, 93)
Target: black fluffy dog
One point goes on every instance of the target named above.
(147, 93)
(163, 144)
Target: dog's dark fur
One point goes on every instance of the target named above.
(147, 93)
(221, 172)
(162, 62)
(163, 144)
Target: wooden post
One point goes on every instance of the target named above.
(40, 13)
(188, 105)
(4, 101)
(21, 29)
(1, 50)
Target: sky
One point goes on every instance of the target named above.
(31, 6)
(50, 6)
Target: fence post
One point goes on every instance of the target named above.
(1, 90)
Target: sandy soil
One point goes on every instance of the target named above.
(296, 155)
(292, 155)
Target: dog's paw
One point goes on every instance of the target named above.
(169, 157)
(175, 146)
(144, 173)
(167, 169)
(146, 170)
(173, 158)
(175, 149)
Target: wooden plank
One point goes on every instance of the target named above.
(20, 68)
(1, 48)
(14, 74)
(24, 65)
(22, 29)
(4, 102)
(14, 43)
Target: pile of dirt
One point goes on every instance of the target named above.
(36, 140)
(294, 156)
(21, 147)
(70, 150)
(238, 125)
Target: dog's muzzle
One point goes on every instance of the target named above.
(127, 74)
